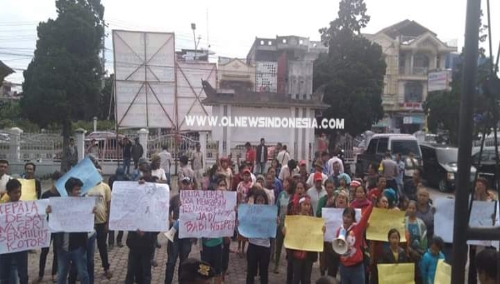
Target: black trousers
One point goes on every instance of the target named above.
(101, 245)
(302, 270)
(138, 268)
(43, 259)
(111, 237)
(258, 257)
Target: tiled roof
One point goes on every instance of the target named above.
(257, 99)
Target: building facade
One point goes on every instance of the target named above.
(285, 65)
(235, 74)
(411, 51)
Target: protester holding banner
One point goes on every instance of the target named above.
(394, 253)
(417, 232)
(226, 244)
(430, 260)
(102, 193)
(52, 192)
(179, 248)
(352, 268)
(361, 201)
(141, 250)
(243, 196)
(29, 173)
(13, 191)
(259, 249)
(377, 248)
(301, 261)
(282, 202)
(71, 247)
(4, 177)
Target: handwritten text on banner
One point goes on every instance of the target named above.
(137, 206)
(333, 221)
(71, 214)
(85, 171)
(23, 226)
(382, 221)
(480, 216)
(304, 233)
(208, 214)
(257, 221)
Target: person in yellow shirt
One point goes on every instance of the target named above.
(102, 192)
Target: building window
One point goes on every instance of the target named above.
(270, 43)
(301, 41)
(413, 92)
(284, 40)
(261, 42)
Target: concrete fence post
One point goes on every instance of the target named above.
(143, 139)
(80, 142)
(15, 144)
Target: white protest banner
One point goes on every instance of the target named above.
(481, 216)
(71, 214)
(137, 206)
(333, 221)
(23, 226)
(207, 214)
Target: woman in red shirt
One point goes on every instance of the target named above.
(352, 270)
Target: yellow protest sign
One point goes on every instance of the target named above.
(382, 221)
(443, 273)
(400, 273)
(304, 233)
(28, 189)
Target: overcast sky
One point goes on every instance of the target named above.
(230, 27)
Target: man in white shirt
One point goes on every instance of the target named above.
(166, 161)
(286, 172)
(4, 177)
(283, 157)
(317, 191)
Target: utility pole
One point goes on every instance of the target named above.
(193, 27)
(103, 58)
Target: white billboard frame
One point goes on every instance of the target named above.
(439, 80)
(154, 103)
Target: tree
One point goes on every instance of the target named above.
(352, 73)
(62, 82)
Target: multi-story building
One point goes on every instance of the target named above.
(411, 52)
(235, 74)
(285, 65)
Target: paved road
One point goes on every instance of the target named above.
(118, 261)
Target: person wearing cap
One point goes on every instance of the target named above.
(186, 171)
(143, 162)
(318, 167)
(196, 272)
(156, 170)
(317, 191)
(137, 152)
(304, 174)
(102, 193)
(179, 248)
(197, 164)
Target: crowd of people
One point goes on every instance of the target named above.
(286, 183)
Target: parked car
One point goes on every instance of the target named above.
(488, 161)
(440, 166)
(379, 144)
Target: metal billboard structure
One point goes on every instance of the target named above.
(152, 88)
(190, 92)
(144, 65)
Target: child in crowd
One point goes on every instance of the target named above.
(243, 190)
(13, 188)
(394, 253)
(352, 268)
(430, 260)
(226, 241)
(259, 250)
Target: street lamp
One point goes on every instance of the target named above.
(193, 27)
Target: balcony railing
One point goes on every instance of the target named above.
(415, 71)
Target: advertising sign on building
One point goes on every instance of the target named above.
(439, 81)
(266, 77)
